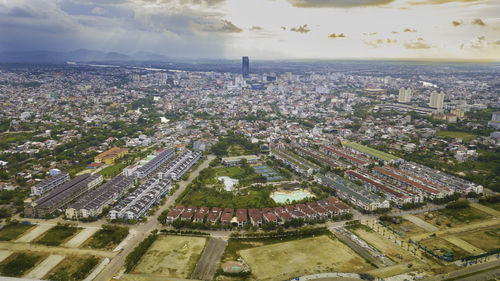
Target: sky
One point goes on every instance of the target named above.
(261, 29)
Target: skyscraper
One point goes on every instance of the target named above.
(245, 69)
(404, 95)
(436, 100)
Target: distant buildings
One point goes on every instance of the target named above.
(108, 157)
(404, 95)
(495, 120)
(437, 100)
(236, 160)
(245, 68)
(147, 169)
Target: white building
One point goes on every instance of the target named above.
(404, 95)
(436, 100)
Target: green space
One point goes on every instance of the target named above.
(251, 197)
(454, 134)
(370, 151)
(463, 215)
(73, 268)
(57, 235)
(113, 170)
(17, 264)
(108, 237)
(234, 145)
(244, 174)
(9, 138)
(13, 230)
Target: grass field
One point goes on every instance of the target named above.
(485, 239)
(57, 235)
(17, 264)
(232, 172)
(73, 268)
(107, 238)
(113, 170)
(442, 247)
(12, 231)
(282, 261)
(455, 217)
(388, 247)
(452, 134)
(172, 256)
(236, 150)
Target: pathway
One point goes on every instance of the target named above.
(206, 266)
(44, 267)
(34, 233)
(4, 254)
(419, 222)
(485, 209)
(22, 247)
(80, 238)
(463, 244)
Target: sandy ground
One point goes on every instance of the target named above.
(207, 265)
(172, 256)
(4, 254)
(44, 267)
(286, 260)
(386, 246)
(23, 247)
(425, 225)
(463, 244)
(462, 228)
(485, 238)
(81, 237)
(34, 233)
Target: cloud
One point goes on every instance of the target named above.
(256, 28)
(380, 42)
(98, 11)
(394, 32)
(456, 23)
(409, 30)
(301, 29)
(333, 35)
(283, 27)
(478, 22)
(481, 42)
(439, 2)
(337, 3)
(370, 33)
(224, 26)
(418, 44)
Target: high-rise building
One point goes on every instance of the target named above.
(245, 69)
(436, 100)
(495, 120)
(404, 95)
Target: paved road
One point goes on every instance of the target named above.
(358, 249)
(143, 229)
(482, 269)
(21, 247)
(206, 266)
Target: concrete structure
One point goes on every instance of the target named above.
(49, 184)
(61, 196)
(245, 67)
(92, 203)
(180, 165)
(236, 160)
(495, 120)
(404, 95)
(161, 158)
(436, 100)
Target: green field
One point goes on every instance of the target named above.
(57, 235)
(108, 237)
(112, 171)
(368, 150)
(465, 215)
(73, 268)
(453, 134)
(252, 197)
(12, 231)
(17, 264)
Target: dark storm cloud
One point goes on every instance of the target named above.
(337, 3)
(333, 35)
(479, 22)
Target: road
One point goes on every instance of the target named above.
(206, 266)
(471, 272)
(144, 229)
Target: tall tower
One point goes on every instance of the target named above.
(404, 95)
(436, 100)
(245, 68)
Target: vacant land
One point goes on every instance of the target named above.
(113, 170)
(408, 228)
(17, 264)
(57, 235)
(108, 237)
(388, 247)
(486, 239)
(286, 260)
(44, 267)
(441, 218)
(33, 233)
(12, 231)
(73, 268)
(453, 134)
(421, 223)
(172, 256)
(442, 247)
(80, 238)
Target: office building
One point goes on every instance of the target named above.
(495, 120)
(245, 70)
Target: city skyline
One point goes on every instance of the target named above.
(227, 29)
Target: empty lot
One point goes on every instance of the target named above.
(34, 233)
(302, 257)
(172, 256)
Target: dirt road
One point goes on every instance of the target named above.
(205, 269)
